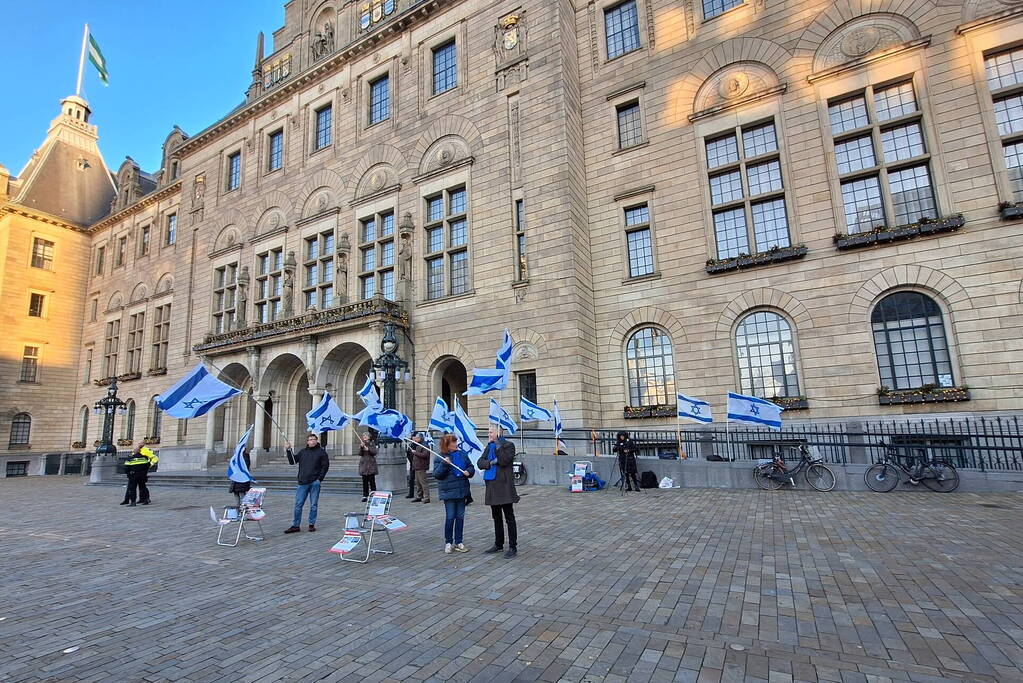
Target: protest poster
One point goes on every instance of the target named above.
(379, 502)
(577, 483)
(391, 523)
(347, 543)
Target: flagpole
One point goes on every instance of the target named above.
(235, 386)
(442, 457)
(81, 61)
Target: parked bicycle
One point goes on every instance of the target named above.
(936, 475)
(774, 474)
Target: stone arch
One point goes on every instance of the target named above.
(380, 154)
(138, 294)
(229, 236)
(277, 202)
(115, 301)
(323, 11)
(763, 297)
(429, 361)
(861, 36)
(913, 276)
(375, 179)
(165, 283)
(231, 419)
(643, 316)
(445, 151)
(843, 12)
(270, 220)
(336, 362)
(283, 368)
(975, 9)
(322, 192)
(527, 344)
(734, 81)
(444, 126)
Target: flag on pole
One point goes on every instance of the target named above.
(486, 379)
(98, 61)
(743, 408)
(368, 394)
(504, 353)
(501, 418)
(389, 423)
(326, 416)
(694, 409)
(530, 412)
(465, 430)
(196, 394)
(442, 419)
(237, 470)
(428, 441)
(557, 419)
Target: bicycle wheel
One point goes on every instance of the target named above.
(761, 475)
(941, 477)
(820, 477)
(881, 477)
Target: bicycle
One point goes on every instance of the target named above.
(884, 476)
(772, 475)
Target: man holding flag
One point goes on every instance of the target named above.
(238, 468)
(496, 465)
(313, 463)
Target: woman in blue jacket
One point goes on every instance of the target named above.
(453, 488)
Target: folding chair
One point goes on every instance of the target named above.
(378, 504)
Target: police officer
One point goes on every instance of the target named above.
(137, 469)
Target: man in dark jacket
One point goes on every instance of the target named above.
(313, 463)
(626, 450)
(496, 465)
(420, 464)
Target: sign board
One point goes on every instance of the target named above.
(379, 503)
(577, 483)
(253, 498)
(347, 543)
(390, 523)
(581, 468)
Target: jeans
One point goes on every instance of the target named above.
(311, 491)
(369, 483)
(454, 520)
(508, 512)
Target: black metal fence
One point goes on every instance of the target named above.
(986, 443)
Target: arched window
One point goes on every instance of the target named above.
(155, 419)
(909, 340)
(651, 368)
(21, 430)
(767, 356)
(83, 435)
(128, 426)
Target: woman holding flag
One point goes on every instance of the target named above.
(452, 472)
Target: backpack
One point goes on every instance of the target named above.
(648, 480)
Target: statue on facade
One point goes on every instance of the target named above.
(242, 297)
(403, 291)
(323, 41)
(288, 296)
(344, 248)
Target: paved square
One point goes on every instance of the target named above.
(692, 585)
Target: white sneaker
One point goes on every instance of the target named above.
(447, 548)
(461, 548)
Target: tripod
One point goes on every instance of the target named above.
(623, 478)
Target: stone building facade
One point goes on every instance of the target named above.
(809, 201)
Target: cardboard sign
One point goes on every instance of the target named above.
(379, 503)
(253, 498)
(577, 483)
(347, 543)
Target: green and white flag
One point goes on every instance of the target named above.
(97, 59)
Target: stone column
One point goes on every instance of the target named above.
(259, 431)
(211, 422)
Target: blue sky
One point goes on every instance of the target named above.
(186, 63)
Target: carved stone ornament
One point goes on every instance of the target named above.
(445, 152)
(273, 221)
(375, 179)
(199, 190)
(510, 37)
(526, 351)
(321, 202)
(733, 85)
(859, 43)
(862, 36)
(975, 9)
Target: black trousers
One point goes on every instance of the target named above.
(369, 483)
(507, 512)
(137, 490)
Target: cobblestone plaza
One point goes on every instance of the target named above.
(701, 585)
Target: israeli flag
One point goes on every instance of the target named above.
(530, 412)
(465, 430)
(369, 396)
(557, 420)
(196, 394)
(694, 409)
(485, 380)
(429, 442)
(442, 419)
(236, 468)
(326, 416)
(504, 354)
(389, 423)
(501, 418)
(743, 408)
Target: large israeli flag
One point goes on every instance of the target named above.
(557, 419)
(501, 418)
(237, 470)
(389, 423)
(530, 412)
(486, 379)
(465, 430)
(196, 394)
(694, 409)
(742, 408)
(442, 419)
(504, 354)
(368, 394)
(326, 416)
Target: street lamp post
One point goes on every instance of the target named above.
(391, 366)
(107, 450)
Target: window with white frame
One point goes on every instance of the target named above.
(30, 364)
(621, 28)
(161, 336)
(36, 305)
(445, 68)
(111, 345)
(136, 331)
(650, 367)
(234, 171)
(747, 191)
(882, 157)
(712, 8)
(170, 234)
(639, 240)
(767, 356)
(318, 266)
(269, 284)
(630, 124)
(324, 118)
(521, 266)
(1005, 82)
(275, 150)
(380, 99)
(376, 255)
(447, 243)
(225, 284)
(42, 253)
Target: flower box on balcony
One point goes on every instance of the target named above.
(1010, 210)
(635, 412)
(791, 402)
(763, 258)
(125, 442)
(888, 397)
(884, 235)
(129, 376)
(102, 382)
(78, 444)
(153, 372)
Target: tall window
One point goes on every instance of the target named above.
(712, 8)
(128, 424)
(144, 240)
(909, 339)
(630, 127)
(121, 252)
(637, 235)
(883, 161)
(275, 151)
(380, 99)
(42, 253)
(111, 344)
(155, 420)
(88, 366)
(1005, 81)
(136, 325)
(36, 305)
(324, 116)
(21, 430)
(170, 234)
(521, 267)
(747, 193)
(447, 243)
(651, 368)
(161, 334)
(225, 282)
(30, 364)
(83, 425)
(101, 253)
(376, 255)
(767, 356)
(234, 171)
(621, 24)
(93, 309)
(269, 284)
(527, 385)
(445, 69)
(318, 283)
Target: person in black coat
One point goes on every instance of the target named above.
(313, 463)
(240, 488)
(626, 450)
(496, 465)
